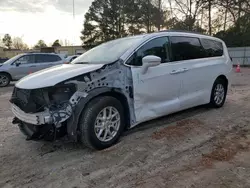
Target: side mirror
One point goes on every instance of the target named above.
(17, 64)
(150, 61)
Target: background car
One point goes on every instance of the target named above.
(24, 64)
(69, 59)
(2, 60)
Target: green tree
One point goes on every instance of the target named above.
(111, 19)
(56, 43)
(103, 22)
(237, 35)
(40, 44)
(7, 41)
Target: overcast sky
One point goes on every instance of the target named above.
(49, 20)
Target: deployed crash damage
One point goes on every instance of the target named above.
(52, 112)
(114, 86)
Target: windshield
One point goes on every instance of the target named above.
(107, 52)
(12, 59)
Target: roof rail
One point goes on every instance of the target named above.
(182, 31)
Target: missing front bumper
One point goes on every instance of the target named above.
(40, 118)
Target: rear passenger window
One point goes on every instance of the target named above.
(157, 47)
(44, 58)
(212, 48)
(40, 58)
(186, 48)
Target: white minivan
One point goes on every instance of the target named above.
(120, 84)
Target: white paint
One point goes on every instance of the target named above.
(54, 75)
(161, 89)
(156, 92)
(175, 86)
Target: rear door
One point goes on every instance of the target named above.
(47, 60)
(197, 70)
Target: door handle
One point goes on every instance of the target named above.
(175, 72)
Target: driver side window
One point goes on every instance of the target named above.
(26, 59)
(158, 47)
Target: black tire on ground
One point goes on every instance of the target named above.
(7, 79)
(219, 83)
(27, 129)
(86, 125)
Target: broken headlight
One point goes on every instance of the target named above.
(62, 93)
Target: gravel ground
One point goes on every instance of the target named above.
(199, 147)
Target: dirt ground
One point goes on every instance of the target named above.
(199, 147)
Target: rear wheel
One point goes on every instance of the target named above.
(101, 123)
(219, 92)
(4, 80)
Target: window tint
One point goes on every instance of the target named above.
(40, 58)
(44, 58)
(212, 48)
(185, 48)
(26, 59)
(157, 47)
(55, 58)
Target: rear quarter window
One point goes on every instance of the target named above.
(53, 58)
(212, 48)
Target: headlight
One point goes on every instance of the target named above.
(62, 93)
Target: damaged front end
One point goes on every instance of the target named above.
(42, 113)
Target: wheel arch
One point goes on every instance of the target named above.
(223, 77)
(3, 72)
(72, 123)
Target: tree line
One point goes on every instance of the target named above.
(17, 43)
(110, 19)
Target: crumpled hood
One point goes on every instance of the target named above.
(54, 75)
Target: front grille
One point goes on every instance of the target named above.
(20, 96)
(30, 101)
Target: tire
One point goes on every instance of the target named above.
(27, 129)
(88, 122)
(218, 93)
(4, 79)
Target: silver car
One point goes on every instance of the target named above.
(24, 64)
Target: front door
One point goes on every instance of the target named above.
(23, 66)
(156, 93)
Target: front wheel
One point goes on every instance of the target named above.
(4, 80)
(101, 123)
(219, 92)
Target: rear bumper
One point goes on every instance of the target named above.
(34, 119)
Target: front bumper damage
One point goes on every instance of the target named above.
(48, 124)
(39, 118)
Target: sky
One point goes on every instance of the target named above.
(48, 20)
